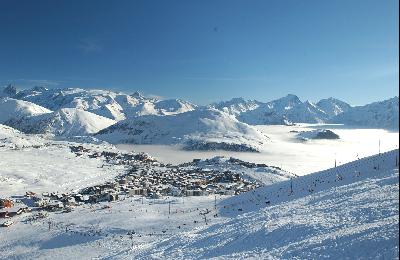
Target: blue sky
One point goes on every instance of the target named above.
(205, 51)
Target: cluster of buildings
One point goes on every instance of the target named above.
(8, 209)
(114, 157)
(150, 178)
(179, 181)
(146, 177)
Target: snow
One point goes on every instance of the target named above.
(353, 218)
(352, 212)
(285, 150)
(332, 106)
(63, 122)
(304, 210)
(190, 129)
(263, 174)
(286, 110)
(236, 106)
(384, 114)
(12, 108)
(38, 164)
(113, 105)
(290, 109)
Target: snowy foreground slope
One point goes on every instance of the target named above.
(30, 162)
(351, 211)
(346, 212)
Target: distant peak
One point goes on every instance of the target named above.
(137, 94)
(10, 90)
(291, 96)
(238, 100)
(39, 88)
(309, 103)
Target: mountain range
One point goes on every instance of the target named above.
(133, 118)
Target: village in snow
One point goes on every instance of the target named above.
(188, 130)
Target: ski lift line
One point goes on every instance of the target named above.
(352, 166)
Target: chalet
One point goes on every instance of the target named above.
(6, 203)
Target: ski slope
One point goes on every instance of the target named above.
(352, 216)
(34, 163)
(350, 211)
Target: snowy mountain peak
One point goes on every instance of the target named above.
(333, 106)
(285, 103)
(382, 114)
(137, 95)
(39, 88)
(291, 97)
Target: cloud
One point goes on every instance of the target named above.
(88, 45)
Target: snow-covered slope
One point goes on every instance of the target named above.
(113, 105)
(236, 106)
(63, 122)
(201, 129)
(14, 109)
(290, 109)
(384, 114)
(32, 162)
(11, 138)
(306, 112)
(349, 212)
(285, 110)
(257, 113)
